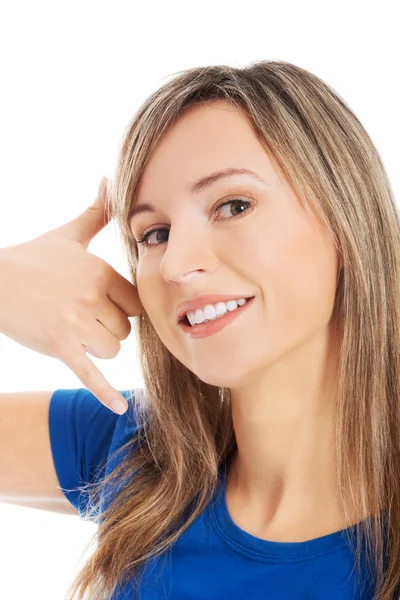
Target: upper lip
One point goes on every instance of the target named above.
(201, 301)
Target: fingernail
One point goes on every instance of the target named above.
(118, 406)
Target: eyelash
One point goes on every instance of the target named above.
(143, 239)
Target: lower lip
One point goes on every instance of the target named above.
(205, 329)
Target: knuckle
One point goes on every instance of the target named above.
(102, 391)
(100, 270)
(93, 293)
(92, 296)
(85, 372)
(71, 323)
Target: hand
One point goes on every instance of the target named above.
(62, 301)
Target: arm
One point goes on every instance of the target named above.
(27, 473)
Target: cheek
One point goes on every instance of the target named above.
(296, 264)
(304, 284)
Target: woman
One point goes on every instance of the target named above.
(265, 444)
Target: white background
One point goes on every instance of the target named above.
(72, 75)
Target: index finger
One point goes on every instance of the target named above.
(95, 381)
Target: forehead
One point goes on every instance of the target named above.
(205, 138)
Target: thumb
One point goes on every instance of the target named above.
(94, 218)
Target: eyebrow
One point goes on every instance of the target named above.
(201, 184)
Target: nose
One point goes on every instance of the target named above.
(188, 252)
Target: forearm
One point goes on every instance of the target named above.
(4, 287)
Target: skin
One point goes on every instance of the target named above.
(279, 358)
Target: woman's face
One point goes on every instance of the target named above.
(265, 246)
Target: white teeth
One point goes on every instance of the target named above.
(213, 311)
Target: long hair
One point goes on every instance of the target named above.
(185, 429)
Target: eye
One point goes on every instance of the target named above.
(229, 203)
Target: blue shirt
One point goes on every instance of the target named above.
(213, 558)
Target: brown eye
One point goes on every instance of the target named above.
(229, 203)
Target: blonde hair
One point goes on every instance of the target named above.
(185, 430)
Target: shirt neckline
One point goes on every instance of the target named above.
(261, 549)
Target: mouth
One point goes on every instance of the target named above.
(212, 326)
(185, 321)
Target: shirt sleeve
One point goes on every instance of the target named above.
(81, 432)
